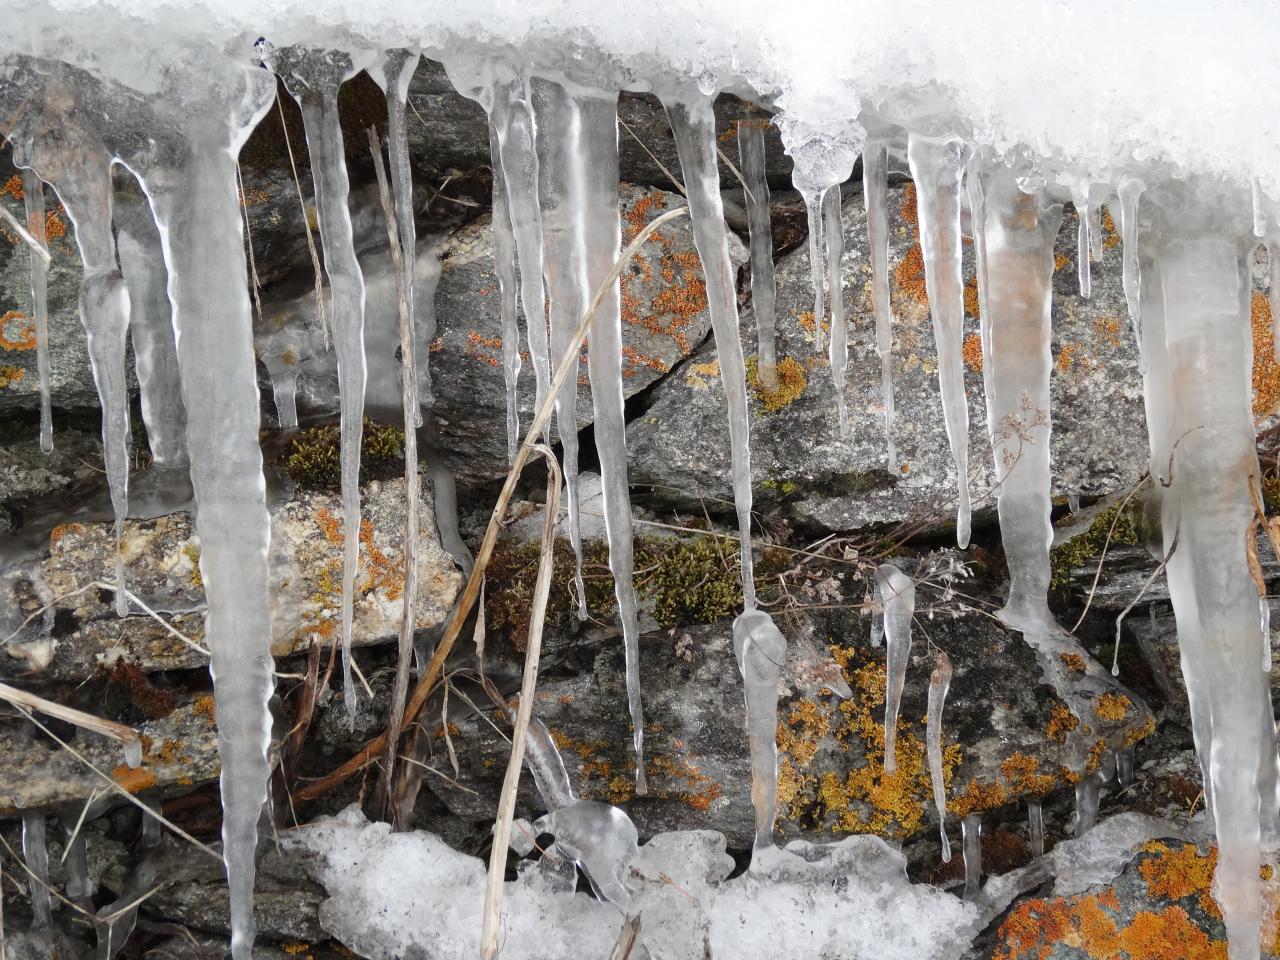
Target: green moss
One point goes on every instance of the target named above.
(314, 459)
(689, 581)
(786, 487)
(1084, 549)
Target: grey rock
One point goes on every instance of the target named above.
(803, 469)
(30, 479)
(75, 631)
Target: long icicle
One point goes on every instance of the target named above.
(1128, 192)
(595, 174)
(694, 126)
(898, 597)
(761, 649)
(817, 268)
(937, 164)
(939, 684)
(760, 233)
(504, 267)
(313, 78)
(33, 202)
(560, 192)
(839, 351)
(875, 197)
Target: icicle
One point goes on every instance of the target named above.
(939, 684)
(1259, 213)
(1129, 191)
(1087, 792)
(1124, 766)
(547, 766)
(839, 353)
(760, 649)
(877, 627)
(594, 203)
(198, 215)
(1264, 615)
(79, 886)
(875, 191)
(898, 594)
(36, 853)
(33, 201)
(1073, 502)
(1035, 822)
(1095, 231)
(817, 268)
(1206, 308)
(1084, 242)
(284, 392)
(751, 152)
(151, 330)
(313, 78)
(1018, 236)
(601, 839)
(937, 164)
(560, 193)
(694, 126)
(504, 266)
(82, 177)
(971, 845)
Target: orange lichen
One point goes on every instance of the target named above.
(972, 352)
(977, 796)
(1022, 773)
(134, 779)
(1175, 874)
(9, 375)
(205, 707)
(908, 276)
(1140, 733)
(682, 293)
(1106, 331)
(1169, 935)
(477, 344)
(1061, 722)
(1112, 707)
(1110, 236)
(1266, 372)
(909, 213)
(971, 302)
(1073, 662)
(1068, 356)
(1060, 260)
(791, 384)
(12, 187)
(17, 331)
(1035, 927)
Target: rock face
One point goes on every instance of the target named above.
(803, 468)
(1018, 723)
(79, 632)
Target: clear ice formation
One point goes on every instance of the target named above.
(504, 267)
(35, 851)
(313, 78)
(175, 104)
(875, 197)
(898, 596)
(601, 839)
(1087, 795)
(838, 354)
(33, 206)
(694, 126)
(760, 649)
(763, 291)
(939, 684)
(937, 165)
(1035, 826)
(971, 845)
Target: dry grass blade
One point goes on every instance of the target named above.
(645, 147)
(85, 721)
(1115, 656)
(40, 249)
(507, 799)
(431, 676)
(306, 224)
(256, 286)
(1106, 544)
(628, 937)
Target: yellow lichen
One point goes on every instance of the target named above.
(791, 384)
(1073, 662)
(972, 352)
(1112, 707)
(1061, 722)
(17, 331)
(1266, 372)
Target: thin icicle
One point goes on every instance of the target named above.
(595, 201)
(1124, 766)
(817, 268)
(760, 649)
(313, 78)
(1018, 236)
(81, 175)
(875, 196)
(898, 595)
(1129, 191)
(1087, 793)
(1084, 245)
(751, 152)
(33, 201)
(504, 267)
(694, 126)
(839, 353)
(151, 331)
(937, 164)
(35, 852)
(560, 194)
(1259, 212)
(971, 845)
(1035, 824)
(1264, 615)
(939, 684)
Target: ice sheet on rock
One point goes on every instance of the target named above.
(1018, 234)
(898, 595)
(694, 126)
(504, 267)
(151, 332)
(313, 77)
(760, 649)
(875, 198)
(971, 833)
(939, 684)
(937, 165)
(1087, 793)
(839, 352)
(751, 153)
(33, 206)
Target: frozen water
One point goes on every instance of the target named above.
(898, 595)
(875, 191)
(751, 152)
(760, 649)
(939, 684)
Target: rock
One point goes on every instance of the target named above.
(179, 750)
(803, 469)
(1019, 722)
(31, 480)
(79, 631)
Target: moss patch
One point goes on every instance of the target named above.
(314, 459)
(1080, 550)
